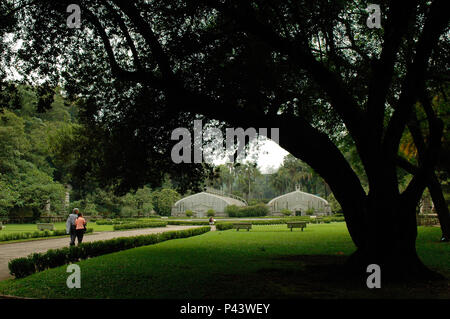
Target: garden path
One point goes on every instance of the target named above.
(23, 249)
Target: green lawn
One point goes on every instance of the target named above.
(30, 228)
(266, 262)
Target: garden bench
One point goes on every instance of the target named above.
(247, 226)
(292, 225)
(44, 226)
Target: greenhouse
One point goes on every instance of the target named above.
(200, 203)
(299, 203)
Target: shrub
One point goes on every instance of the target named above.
(36, 234)
(128, 211)
(39, 261)
(310, 211)
(57, 257)
(163, 201)
(224, 226)
(248, 211)
(139, 225)
(210, 213)
(286, 212)
(187, 222)
(116, 221)
(189, 213)
(232, 210)
(22, 267)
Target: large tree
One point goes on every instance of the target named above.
(309, 68)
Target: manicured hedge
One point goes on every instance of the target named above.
(187, 222)
(247, 211)
(115, 221)
(139, 225)
(36, 234)
(25, 266)
(307, 219)
(224, 226)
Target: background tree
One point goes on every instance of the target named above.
(163, 201)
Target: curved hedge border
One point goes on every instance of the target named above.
(182, 222)
(115, 221)
(25, 266)
(139, 225)
(36, 234)
(224, 226)
(229, 225)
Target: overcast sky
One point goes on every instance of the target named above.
(269, 156)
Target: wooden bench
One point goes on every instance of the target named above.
(44, 226)
(292, 225)
(247, 226)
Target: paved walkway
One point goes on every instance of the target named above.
(23, 249)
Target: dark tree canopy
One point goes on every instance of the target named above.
(312, 68)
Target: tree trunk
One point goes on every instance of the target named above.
(389, 240)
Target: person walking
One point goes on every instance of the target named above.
(70, 226)
(80, 226)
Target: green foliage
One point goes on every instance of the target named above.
(163, 201)
(247, 211)
(286, 212)
(292, 173)
(144, 200)
(22, 267)
(36, 234)
(127, 211)
(26, 173)
(189, 213)
(139, 225)
(307, 219)
(224, 226)
(310, 211)
(232, 210)
(115, 221)
(185, 222)
(210, 213)
(334, 204)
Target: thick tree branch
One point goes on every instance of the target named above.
(127, 35)
(301, 55)
(382, 70)
(418, 183)
(436, 23)
(116, 70)
(149, 36)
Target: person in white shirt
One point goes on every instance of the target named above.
(70, 225)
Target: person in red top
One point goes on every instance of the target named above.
(80, 227)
